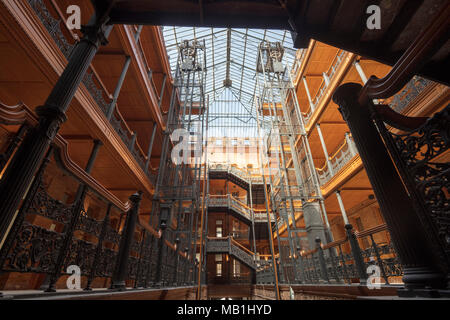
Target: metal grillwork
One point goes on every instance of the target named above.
(421, 157)
(178, 183)
(287, 160)
(335, 262)
(44, 223)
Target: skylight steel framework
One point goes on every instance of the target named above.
(230, 80)
(288, 162)
(176, 204)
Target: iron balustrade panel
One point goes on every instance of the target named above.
(421, 157)
(132, 267)
(217, 245)
(242, 255)
(89, 225)
(80, 253)
(34, 249)
(105, 267)
(53, 26)
(409, 93)
(30, 247)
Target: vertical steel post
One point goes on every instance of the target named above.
(112, 105)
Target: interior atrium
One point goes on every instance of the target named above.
(207, 150)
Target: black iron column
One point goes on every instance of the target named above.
(323, 266)
(357, 256)
(408, 236)
(120, 272)
(29, 155)
(163, 223)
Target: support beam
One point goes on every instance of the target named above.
(150, 147)
(113, 103)
(311, 104)
(325, 151)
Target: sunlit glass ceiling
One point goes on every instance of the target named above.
(232, 112)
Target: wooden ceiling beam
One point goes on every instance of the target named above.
(400, 22)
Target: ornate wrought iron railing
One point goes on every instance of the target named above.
(44, 223)
(56, 228)
(228, 201)
(335, 262)
(346, 151)
(420, 151)
(233, 248)
(324, 86)
(252, 175)
(408, 94)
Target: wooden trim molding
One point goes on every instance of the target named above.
(423, 48)
(347, 172)
(336, 81)
(127, 39)
(312, 44)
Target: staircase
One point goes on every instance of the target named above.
(235, 175)
(240, 209)
(230, 246)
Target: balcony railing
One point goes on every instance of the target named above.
(324, 86)
(52, 232)
(228, 201)
(335, 263)
(253, 175)
(346, 151)
(299, 57)
(66, 39)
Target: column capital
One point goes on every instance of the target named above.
(136, 198)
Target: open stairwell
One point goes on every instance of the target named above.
(240, 209)
(230, 246)
(236, 175)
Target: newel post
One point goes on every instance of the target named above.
(120, 272)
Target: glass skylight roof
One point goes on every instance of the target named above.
(238, 64)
